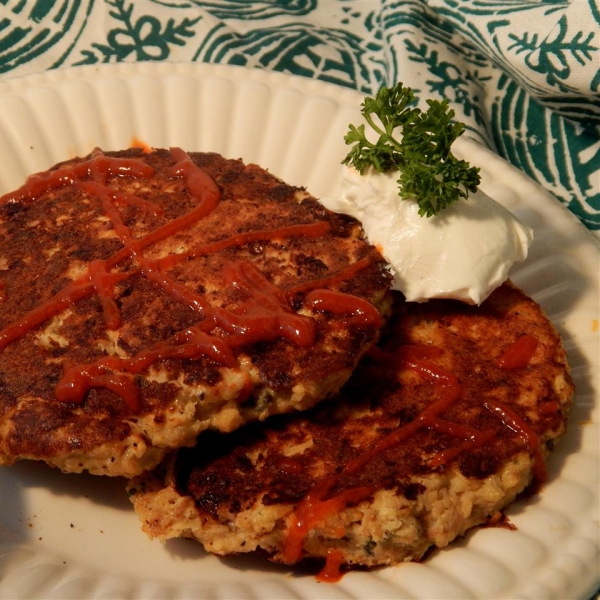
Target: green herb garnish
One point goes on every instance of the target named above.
(429, 172)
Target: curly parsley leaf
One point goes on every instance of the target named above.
(429, 172)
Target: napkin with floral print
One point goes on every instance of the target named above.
(523, 75)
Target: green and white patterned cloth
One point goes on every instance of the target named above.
(524, 75)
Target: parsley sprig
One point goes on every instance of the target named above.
(429, 172)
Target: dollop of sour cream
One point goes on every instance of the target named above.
(462, 253)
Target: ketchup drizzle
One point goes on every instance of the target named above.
(337, 303)
(340, 277)
(265, 315)
(515, 422)
(310, 230)
(331, 573)
(518, 354)
(116, 374)
(316, 506)
(99, 166)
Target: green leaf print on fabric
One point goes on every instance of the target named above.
(563, 156)
(246, 9)
(550, 48)
(455, 68)
(486, 8)
(332, 55)
(549, 56)
(144, 37)
(450, 80)
(445, 54)
(28, 32)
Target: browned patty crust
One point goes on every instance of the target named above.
(440, 426)
(147, 296)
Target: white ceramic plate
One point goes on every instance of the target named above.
(67, 536)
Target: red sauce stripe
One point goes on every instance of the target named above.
(78, 290)
(335, 279)
(525, 431)
(472, 439)
(518, 354)
(40, 183)
(310, 230)
(331, 572)
(314, 508)
(266, 315)
(337, 303)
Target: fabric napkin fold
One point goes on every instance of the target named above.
(523, 75)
